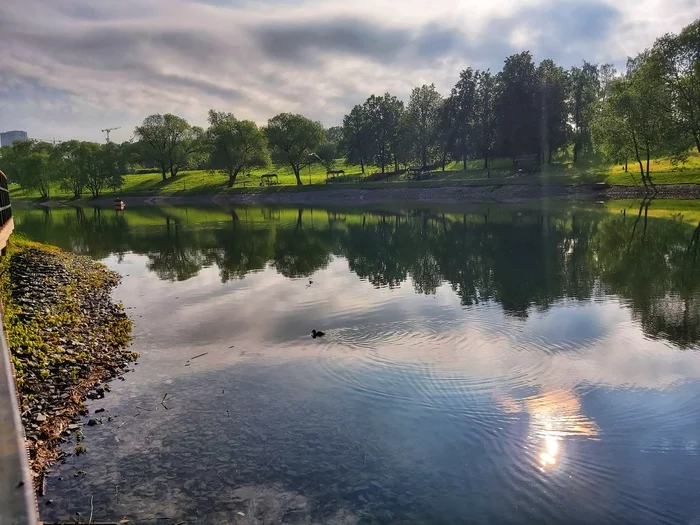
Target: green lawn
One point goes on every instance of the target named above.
(205, 182)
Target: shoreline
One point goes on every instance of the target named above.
(67, 339)
(468, 194)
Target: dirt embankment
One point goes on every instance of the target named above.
(505, 193)
(67, 337)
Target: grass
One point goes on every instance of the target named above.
(204, 182)
(686, 210)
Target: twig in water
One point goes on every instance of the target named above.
(91, 509)
(195, 357)
(125, 422)
(228, 414)
(166, 395)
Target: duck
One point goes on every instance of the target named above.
(315, 334)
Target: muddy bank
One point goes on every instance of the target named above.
(67, 337)
(494, 193)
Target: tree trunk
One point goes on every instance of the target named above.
(297, 174)
(549, 157)
(232, 178)
(486, 161)
(396, 164)
(576, 148)
(697, 140)
(464, 162)
(362, 165)
(625, 163)
(164, 172)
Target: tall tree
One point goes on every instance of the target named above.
(356, 142)
(65, 161)
(678, 57)
(383, 115)
(189, 151)
(459, 116)
(167, 139)
(517, 106)
(485, 118)
(293, 138)
(637, 110)
(423, 112)
(553, 91)
(584, 92)
(235, 145)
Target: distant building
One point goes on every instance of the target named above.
(7, 138)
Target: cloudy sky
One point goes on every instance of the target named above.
(69, 68)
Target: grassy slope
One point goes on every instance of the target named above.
(205, 182)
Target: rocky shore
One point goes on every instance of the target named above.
(67, 338)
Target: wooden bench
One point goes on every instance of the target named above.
(527, 163)
(331, 175)
(269, 179)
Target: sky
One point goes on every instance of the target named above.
(70, 68)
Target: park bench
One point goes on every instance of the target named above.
(332, 174)
(527, 163)
(269, 179)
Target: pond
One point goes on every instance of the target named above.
(495, 364)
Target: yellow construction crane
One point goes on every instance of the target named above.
(108, 130)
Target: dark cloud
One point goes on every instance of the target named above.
(305, 42)
(565, 32)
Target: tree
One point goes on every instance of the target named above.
(89, 162)
(70, 175)
(383, 116)
(334, 135)
(423, 112)
(485, 119)
(637, 110)
(584, 92)
(188, 151)
(235, 145)
(553, 84)
(356, 142)
(292, 139)
(459, 116)
(29, 164)
(517, 106)
(168, 139)
(678, 57)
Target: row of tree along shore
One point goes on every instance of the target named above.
(524, 111)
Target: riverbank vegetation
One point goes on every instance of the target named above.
(66, 338)
(589, 123)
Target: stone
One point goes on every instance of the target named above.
(92, 422)
(40, 418)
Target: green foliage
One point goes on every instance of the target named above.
(423, 117)
(517, 106)
(169, 142)
(677, 58)
(585, 87)
(356, 143)
(235, 145)
(293, 139)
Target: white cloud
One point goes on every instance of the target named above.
(71, 67)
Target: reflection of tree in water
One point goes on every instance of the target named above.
(300, 251)
(175, 255)
(654, 264)
(518, 260)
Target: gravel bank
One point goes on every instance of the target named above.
(67, 337)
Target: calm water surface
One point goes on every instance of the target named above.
(493, 365)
